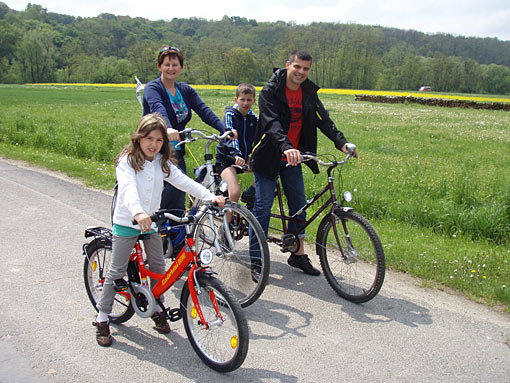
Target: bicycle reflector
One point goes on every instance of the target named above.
(206, 256)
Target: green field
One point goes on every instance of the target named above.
(433, 181)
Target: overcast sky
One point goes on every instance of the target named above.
(480, 18)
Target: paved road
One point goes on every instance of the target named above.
(300, 330)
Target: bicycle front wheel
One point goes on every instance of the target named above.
(223, 343)
(351, 255)
(97, 262)
(241, 264)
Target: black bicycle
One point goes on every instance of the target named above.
(350, 251)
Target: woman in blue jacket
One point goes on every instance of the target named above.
(174, 101)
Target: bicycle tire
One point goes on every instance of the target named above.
(96, 265)
(224, 345)
(236, 268)
(358, 275)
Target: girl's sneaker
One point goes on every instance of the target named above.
(103, 336)
(161, 324)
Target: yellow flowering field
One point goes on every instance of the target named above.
(325, 91)
(432, 181)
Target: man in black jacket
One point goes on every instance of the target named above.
(289, 114)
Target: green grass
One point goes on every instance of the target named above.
(433, 181)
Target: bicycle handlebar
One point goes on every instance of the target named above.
(184, 220)
(350, 149)
(231, 160)
(186, 136)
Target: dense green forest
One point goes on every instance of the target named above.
(40, 46)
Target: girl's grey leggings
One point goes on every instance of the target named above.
(121, 251)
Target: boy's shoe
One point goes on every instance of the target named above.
(162, 325)
(103, 336)
(303, 262)
(248, 196)
(256, 269)
(177, 249)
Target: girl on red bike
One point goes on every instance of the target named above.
(141, 168)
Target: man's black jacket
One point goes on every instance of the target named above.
(274, 122)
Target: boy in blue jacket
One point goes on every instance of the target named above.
(229, 152)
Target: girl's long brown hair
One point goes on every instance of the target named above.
(135, 156)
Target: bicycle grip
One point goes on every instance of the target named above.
(154, 217)
(230, 160)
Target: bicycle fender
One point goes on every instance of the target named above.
(344, 209)
(208, 273)
(103, 241)
(326, 220)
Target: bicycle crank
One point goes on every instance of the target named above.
(290, 243)
(174, 315)
(144, 302)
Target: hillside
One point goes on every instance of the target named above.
(41, 46)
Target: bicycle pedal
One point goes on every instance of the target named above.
(174, 315)
(120, 285)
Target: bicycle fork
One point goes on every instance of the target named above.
(227, 244)
(349, 255)
(195, 291)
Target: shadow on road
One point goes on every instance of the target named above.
(173, 352)
(380, 309)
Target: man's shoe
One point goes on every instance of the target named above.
(103, 336)
(162, 325)
(302, 262)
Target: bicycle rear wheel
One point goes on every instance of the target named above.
(243, 269)
(357, 272)
(224, 344)
(96, 265)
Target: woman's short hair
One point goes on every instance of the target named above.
(171, 52)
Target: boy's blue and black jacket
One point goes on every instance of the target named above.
(245, 126)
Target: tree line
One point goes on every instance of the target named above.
(40, 46)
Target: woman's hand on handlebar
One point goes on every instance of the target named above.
(219, 200)
(144, 221)
(173, 134)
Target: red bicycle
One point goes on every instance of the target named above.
(214, 321)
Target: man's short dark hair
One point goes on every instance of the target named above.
(300, 54)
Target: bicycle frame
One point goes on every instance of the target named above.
(180, 230)
(187, 258)
(209, 182)
(332, 201)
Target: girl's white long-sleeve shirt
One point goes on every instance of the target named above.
(140, 192)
